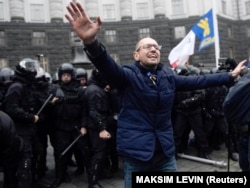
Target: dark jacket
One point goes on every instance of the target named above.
(189, 102)
(70, 111)
(10, 143)
(145, 113)
(98, 105)
(21, 105)
(215, 97)
(236, 104)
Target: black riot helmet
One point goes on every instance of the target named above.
(48, 77)
(66, 68)
(27, 68)
(7, 75)
(230, 64)
(98, 77)
(226, 64)
(182, 70)
(40, 73)
(81, 73)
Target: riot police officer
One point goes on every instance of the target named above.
(188, 106)
(21, 105)
(82, 76)
(99, 131)
(6, 79)
(70, 119)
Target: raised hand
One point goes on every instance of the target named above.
(85, 28)
(239, 68)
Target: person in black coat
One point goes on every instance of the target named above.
(6, 79)
(188, 106)
(99, 112)
(45, 127)
(11, 147)
(70, 120)
(21, 105)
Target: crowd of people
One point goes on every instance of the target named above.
(202, 112)
(141, 112)
(42, 110)
(147, 88)
(73, 105)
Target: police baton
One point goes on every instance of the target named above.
(44, 104)
(68, 148)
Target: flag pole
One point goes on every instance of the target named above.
(216, 35)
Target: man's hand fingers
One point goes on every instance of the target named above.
(243, 62)
(75, 9)
(71, 13)
(81, 10)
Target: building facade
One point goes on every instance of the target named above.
(38, 29)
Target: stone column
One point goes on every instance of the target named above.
(17, 10)
(126, 9)
(92, 8)
(159, 8)
(56, 10)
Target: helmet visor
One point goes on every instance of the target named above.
(30, 65)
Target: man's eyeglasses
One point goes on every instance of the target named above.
(149, 46)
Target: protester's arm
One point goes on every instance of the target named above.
(87, 31)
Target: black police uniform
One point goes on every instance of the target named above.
(11, 147)
(70, 116)
(46, 125)
(99, 109)
(21, 105)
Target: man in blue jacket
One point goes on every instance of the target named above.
(147, 87)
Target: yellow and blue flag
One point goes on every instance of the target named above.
(204, 30)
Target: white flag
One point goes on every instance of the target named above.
(179, 55)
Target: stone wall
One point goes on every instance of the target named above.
(59, 48)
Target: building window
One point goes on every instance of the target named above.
(4, 63)
(229, 31)
(109, 12)
(116, 58)
(177, 7)
(142, 10)
(37, 13)
(247, 5)
(144, 32)
(44, 63)
(179, 32)
(2, 38)
(1, 11)
(110, 36)
(224, 7)
(38, 38)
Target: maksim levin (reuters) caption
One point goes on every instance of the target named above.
(196, 179)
